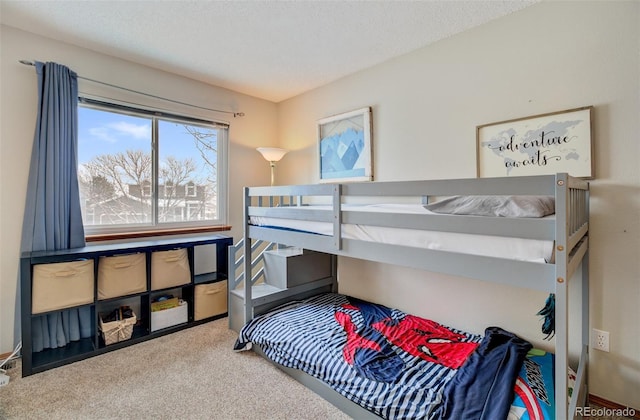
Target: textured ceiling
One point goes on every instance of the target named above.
(268, 49)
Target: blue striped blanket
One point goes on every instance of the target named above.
(395, 365)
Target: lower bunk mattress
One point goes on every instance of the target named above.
(399, 366)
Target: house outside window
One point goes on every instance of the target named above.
(190, 189)
(141, 170)
(169, 190)
(145, 189)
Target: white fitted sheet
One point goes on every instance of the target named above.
(486, 245)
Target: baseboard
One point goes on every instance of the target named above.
(601, 402)
(4, 356)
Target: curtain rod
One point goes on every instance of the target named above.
(235, 114)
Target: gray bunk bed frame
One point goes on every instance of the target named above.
(568, 230)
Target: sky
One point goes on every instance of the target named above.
(101, 132)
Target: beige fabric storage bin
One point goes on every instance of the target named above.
(210, 300)
(170, 317)
(121, 275)
(169, 269)
(61, 285)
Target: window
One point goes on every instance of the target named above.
(142, 170)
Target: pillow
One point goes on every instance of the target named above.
(496, 205)
(534, 391)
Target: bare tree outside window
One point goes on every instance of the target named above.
(108, 178)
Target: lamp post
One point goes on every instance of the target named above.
(272, 155)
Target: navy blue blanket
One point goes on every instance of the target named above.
(483, 388)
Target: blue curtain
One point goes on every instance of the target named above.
(53, 219)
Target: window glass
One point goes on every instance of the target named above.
(139, 172)
(188, 172)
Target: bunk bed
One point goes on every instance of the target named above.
(324, 217)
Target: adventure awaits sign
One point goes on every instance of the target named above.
(539, 145)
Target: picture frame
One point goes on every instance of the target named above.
(344, 147)
(538, 145)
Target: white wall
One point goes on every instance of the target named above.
(18, 113)
(549, 57)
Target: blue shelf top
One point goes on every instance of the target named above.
(90, 251)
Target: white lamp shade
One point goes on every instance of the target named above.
(272, 154)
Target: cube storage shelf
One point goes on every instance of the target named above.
(42, 271)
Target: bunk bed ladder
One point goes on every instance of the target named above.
(236, 262)
(239, 265)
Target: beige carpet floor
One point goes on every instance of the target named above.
(191, 374)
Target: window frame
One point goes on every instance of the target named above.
(155, 227)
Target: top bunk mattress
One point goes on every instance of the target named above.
(520, 249)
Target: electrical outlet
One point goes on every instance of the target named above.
(4, 379)
(600, 340)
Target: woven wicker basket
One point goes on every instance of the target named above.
(116, 331)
